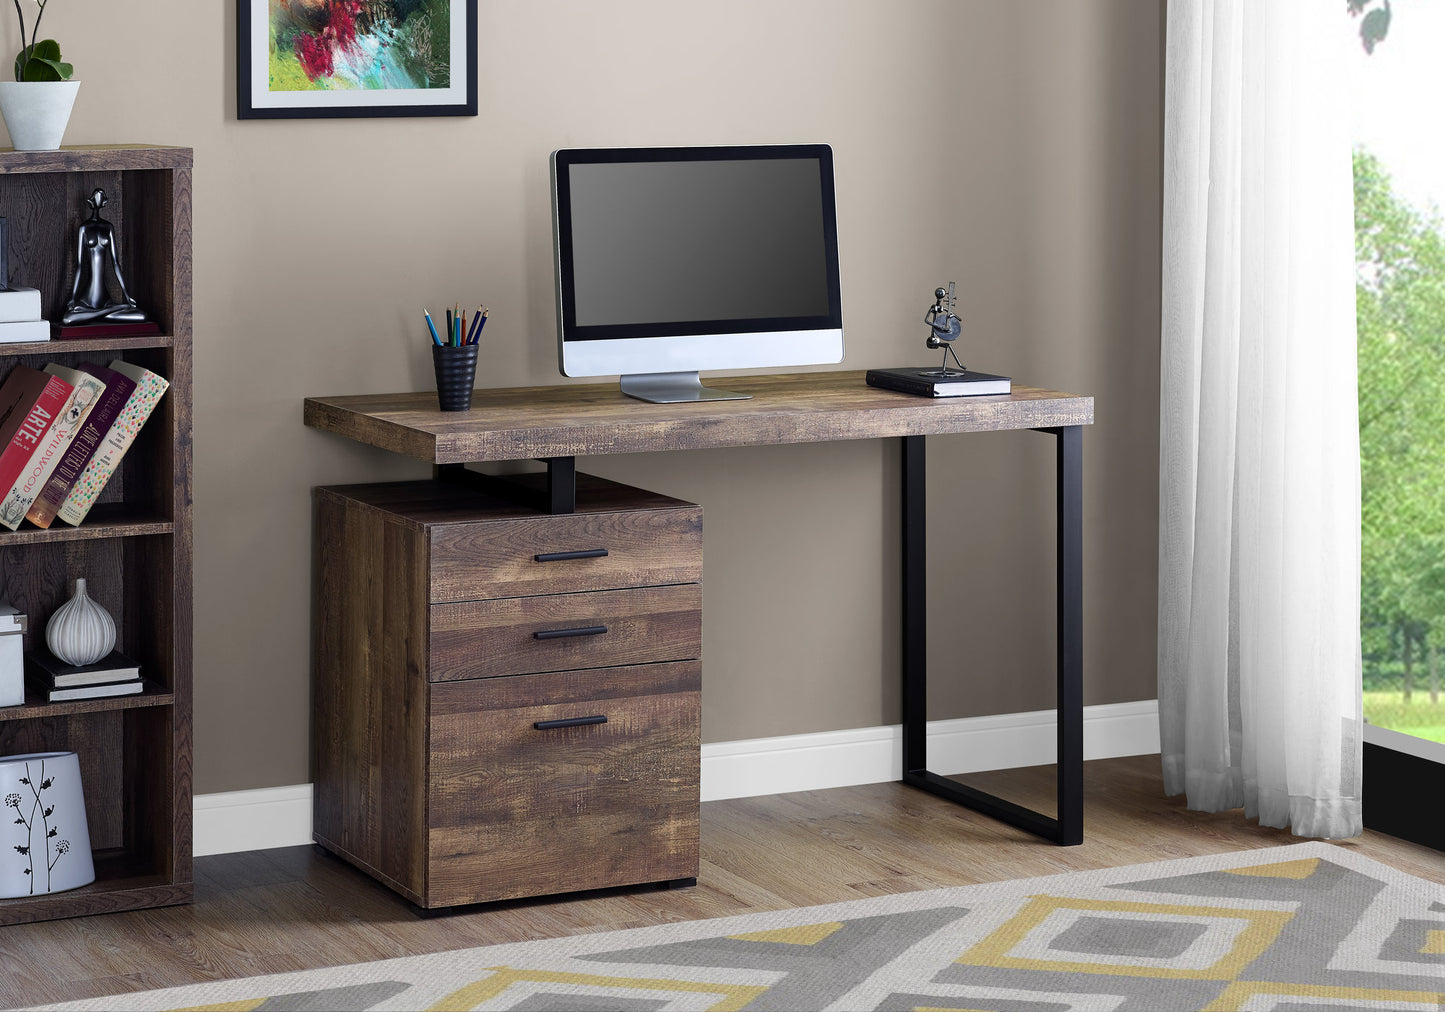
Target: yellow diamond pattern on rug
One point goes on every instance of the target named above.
(1300, 928)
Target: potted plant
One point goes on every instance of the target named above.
(37, 104)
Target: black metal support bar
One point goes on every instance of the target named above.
(561, 484)
(1070, 593)
(557, 492)
(1068, 828)
(915, 607)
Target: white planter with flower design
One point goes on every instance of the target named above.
(44, 838)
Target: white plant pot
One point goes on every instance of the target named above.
(46, 840)
(36, 112)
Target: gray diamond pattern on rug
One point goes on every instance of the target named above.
(1302, 928)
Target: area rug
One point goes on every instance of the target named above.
(1301, 928)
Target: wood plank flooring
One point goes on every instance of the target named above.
(298, 908)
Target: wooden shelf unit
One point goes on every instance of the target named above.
(134, 549)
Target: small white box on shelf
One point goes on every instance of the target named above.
(12, 656)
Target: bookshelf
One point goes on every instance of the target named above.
(134, 549)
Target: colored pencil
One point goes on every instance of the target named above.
(431, 327)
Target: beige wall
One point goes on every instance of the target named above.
(1012, 147)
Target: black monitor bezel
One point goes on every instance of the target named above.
(564, 159)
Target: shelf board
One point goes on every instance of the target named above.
(106, 520)
(70, 345)
(34, 707)
(96, 158)
(118, 885)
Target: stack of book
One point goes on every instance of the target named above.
(20, 315)
(55, 681)
(63, 433)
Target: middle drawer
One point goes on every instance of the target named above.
(560, 632)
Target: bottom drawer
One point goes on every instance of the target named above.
(516, 810)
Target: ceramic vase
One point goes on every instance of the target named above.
(44, 838)
(80, 631)
(37, 112)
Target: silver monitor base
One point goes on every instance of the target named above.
(674, 388)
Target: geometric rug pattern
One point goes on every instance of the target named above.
(1302, 928)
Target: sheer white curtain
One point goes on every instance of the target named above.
(1259, 539)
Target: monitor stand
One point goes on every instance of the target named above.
(674, 388)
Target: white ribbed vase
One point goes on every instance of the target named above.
(81, 631)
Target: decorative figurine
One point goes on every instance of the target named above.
(97, 263)
(944, 326)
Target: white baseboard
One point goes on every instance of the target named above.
(872, 755)
(281, 816)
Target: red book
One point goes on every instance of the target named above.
(30, 400)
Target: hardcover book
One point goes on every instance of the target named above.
(85, 391)
(21, 331)
(22, 305)
(48, 671)
(30, 401)
(118, 389)
(130, 687)
(939, 383)
(149, 388)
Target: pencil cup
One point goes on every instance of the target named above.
(456, 369)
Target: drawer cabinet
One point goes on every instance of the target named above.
(507, 703)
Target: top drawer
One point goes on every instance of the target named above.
(561, 554)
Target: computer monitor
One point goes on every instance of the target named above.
(671, 260)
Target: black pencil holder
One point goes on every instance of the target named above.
(456, 369)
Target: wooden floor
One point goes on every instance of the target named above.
(299, 908)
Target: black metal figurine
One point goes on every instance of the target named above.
(97, 261)
(944, 326)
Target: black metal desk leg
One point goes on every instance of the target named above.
(915, 608)
(1070, 592)
(1068, 828)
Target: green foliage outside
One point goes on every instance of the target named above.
(1400, 306)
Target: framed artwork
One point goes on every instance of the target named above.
(303, 59)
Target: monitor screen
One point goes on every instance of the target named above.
(692, 258)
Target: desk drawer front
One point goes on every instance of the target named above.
(515, 810)
(483, 639)
(565, 554)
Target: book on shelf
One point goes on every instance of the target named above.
(22, 305)
(30, 401)
(938, 382)
(130, 687)
(81, 330)
(46, 670)
(85, 391)
(149, 388)
(21, 331)
(118, 389)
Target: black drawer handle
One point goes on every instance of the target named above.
(547, 725)
(560, 634)
(590, 553)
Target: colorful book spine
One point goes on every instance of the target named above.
(85, 391)
(118, 389)
(32, 401)
(149, 389)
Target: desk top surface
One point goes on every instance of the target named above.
(568, 420)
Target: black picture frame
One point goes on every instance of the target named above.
(253, 102)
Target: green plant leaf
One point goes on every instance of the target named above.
(41, 62)
(44, 70)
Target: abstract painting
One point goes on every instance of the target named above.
(311, 58)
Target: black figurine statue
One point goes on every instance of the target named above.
(944, 327)
(98, 260)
